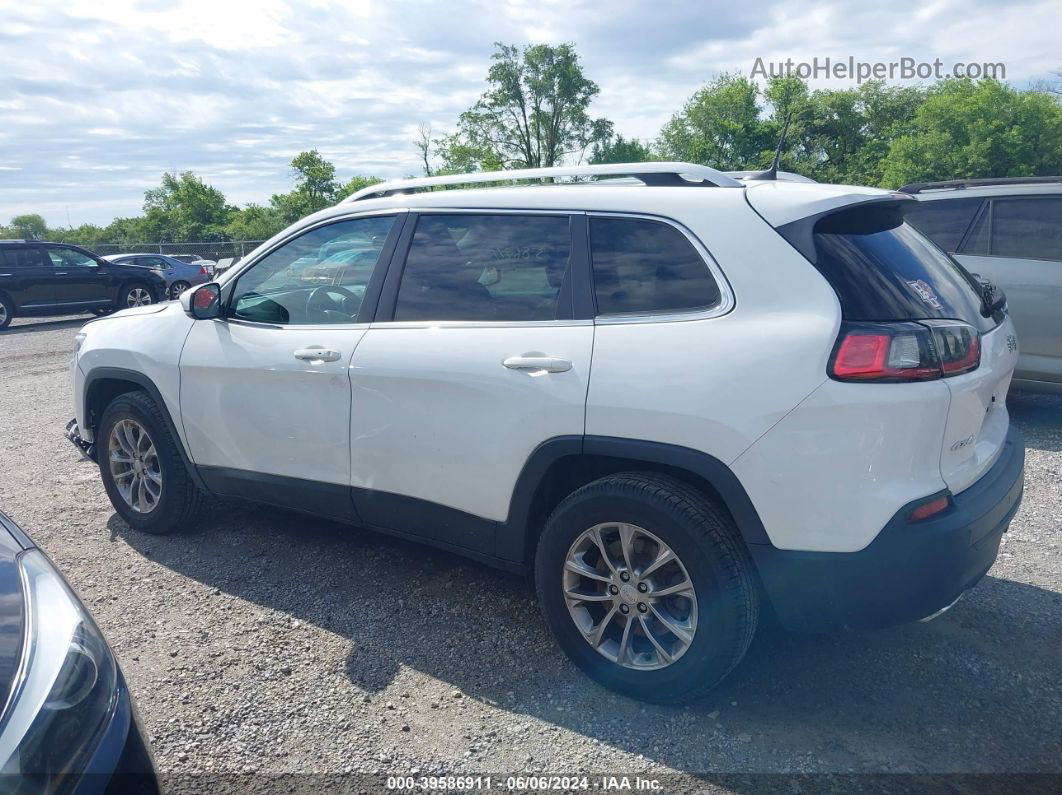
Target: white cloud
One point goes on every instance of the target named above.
(99, 98)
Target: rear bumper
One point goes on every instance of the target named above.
(909, 571)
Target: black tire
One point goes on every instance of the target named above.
(101, 312)
(123, 296)
(706, 540)
(7, 311)
(177, 288)
(180, 500)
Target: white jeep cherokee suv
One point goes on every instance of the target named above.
(674, 397)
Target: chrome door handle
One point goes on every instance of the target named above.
(551, 364)
(60, 273)
(317, 355)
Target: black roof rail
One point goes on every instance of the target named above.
(960, 184)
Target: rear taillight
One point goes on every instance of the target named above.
(203, 271)
(899, 352)
(929, 508)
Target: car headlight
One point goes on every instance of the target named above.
(66, 686)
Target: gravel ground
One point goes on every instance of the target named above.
(268, 642)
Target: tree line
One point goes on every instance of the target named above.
(535, 112)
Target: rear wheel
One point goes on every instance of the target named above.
(142, 469)
(101, 312)
(177, 288)
(7, 312)
(134, 295)
(647, 586)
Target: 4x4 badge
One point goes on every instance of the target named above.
(962, 443)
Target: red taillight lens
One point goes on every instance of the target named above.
(929, 508)
(203, 271)
(898, 352)
(885, 352)
(958, 345)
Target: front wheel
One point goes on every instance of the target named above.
(142, 468)
(134, 295)
(647, 586)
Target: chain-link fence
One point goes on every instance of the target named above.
(211, 251)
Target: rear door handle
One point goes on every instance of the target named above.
(317, 355)
(551, 364)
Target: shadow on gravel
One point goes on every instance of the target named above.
(977, 690)
(45, 325)
(1040, 418)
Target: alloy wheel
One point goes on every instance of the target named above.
(138, 296)
(134, 465)
(177, 288)
(630, 596)
(3, 314)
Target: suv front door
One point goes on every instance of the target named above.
(79, 278)
(265, 391)
(475, 359)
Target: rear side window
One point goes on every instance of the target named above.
(944, 221)
(1027, 228)
(485, 268)
(21, 258)
(883, 269)
(643, 266)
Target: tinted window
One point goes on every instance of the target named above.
(70, 258)
(883, 269)
(1029, 228)
(485, 267)
(944, 221)
(319, 277)
(977, 241)
(647, 266)
(21, 258)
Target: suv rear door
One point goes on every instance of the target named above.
(27, 276)
(476, 357)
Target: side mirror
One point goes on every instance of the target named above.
(202, 303)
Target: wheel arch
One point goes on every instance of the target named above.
(560, 466)
(104, 384)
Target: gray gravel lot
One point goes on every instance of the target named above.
(271, 642)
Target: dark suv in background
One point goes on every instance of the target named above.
(39, 278)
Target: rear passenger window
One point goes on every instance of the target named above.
(645, 266)
(21, 258)
(943, 221)
(485, 267)
(1027, 228)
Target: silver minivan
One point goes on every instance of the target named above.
(1007, 230)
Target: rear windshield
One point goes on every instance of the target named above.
(883, 269)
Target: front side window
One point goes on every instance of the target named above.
(1027, 228)
(70, 258)
(943, 221)
(319, 277)
(485, 268)
(647, 267)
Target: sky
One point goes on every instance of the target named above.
(100, 97)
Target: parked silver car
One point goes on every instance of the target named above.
(179, 275)
(1009, 231)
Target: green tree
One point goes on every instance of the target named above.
(617, 149)
(184, 207)
(354, 184)
(967, 129)
(315, 187)
(30, 226)
(534, 112)
(255, 222)
(84, 235)
(720, 126)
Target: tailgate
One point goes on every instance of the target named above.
(977, 419)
